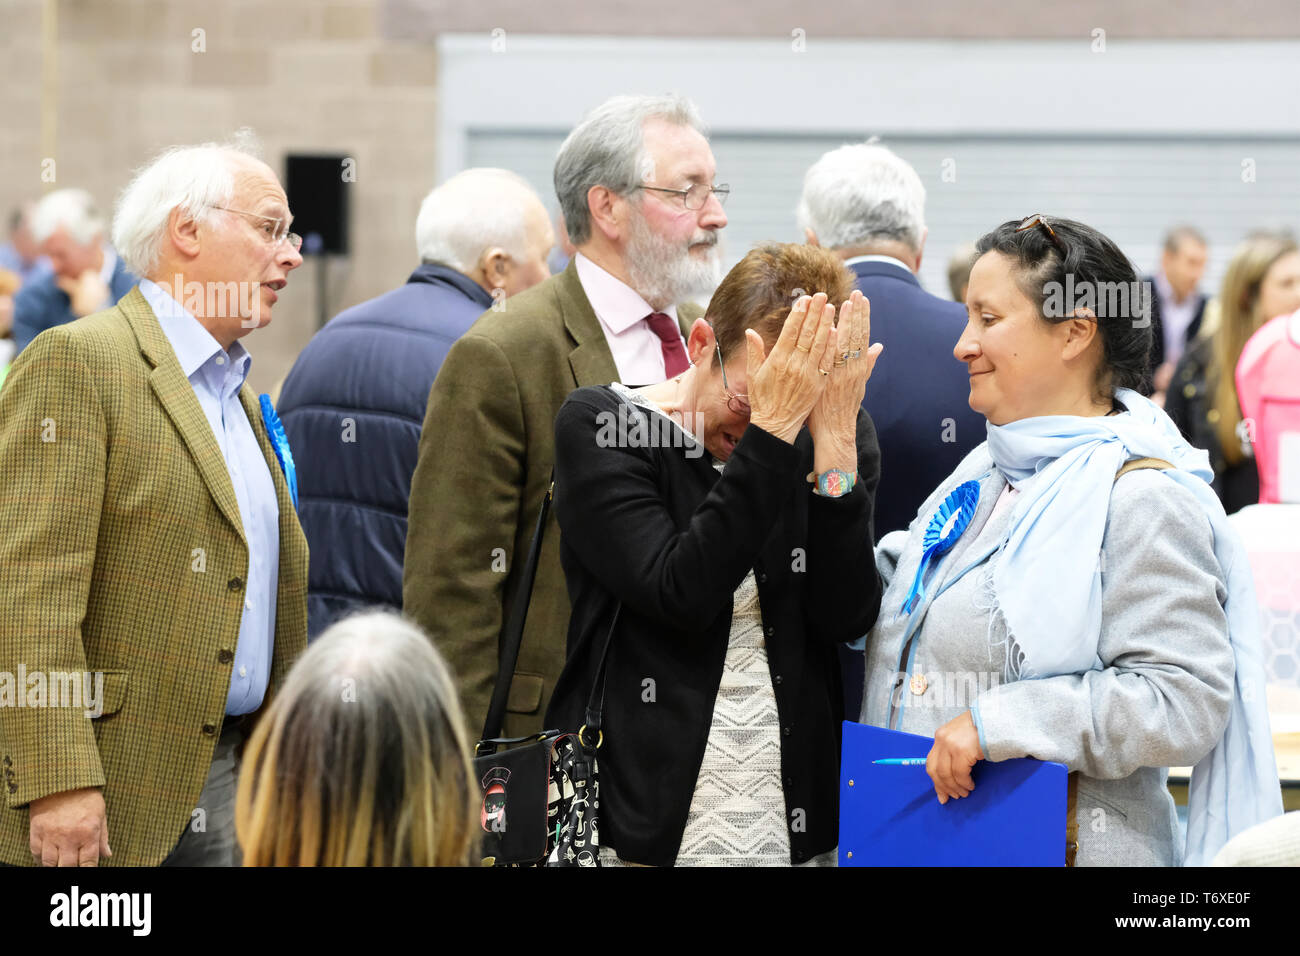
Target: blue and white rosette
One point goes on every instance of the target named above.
(945, 527)
(280, 442)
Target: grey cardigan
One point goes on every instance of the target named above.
(1161, 698)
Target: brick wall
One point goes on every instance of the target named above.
(307, 75)
(358, 77)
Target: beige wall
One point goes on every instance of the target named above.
(857, 19)
(358, 77)
(307, 75)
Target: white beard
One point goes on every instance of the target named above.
(664, 272)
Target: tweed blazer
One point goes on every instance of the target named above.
(486, 452)
(124, 553)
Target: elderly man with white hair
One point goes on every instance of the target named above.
(867, 204)
(155, 573)
(87, 275)
(353, 402)
(635, 181)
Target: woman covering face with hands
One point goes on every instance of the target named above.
(726, 515)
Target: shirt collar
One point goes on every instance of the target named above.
(193, 344)
(1167, 291)
(616, 304)
(890, 259)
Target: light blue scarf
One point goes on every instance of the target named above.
(1073, 461)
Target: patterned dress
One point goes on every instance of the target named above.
(738, 814)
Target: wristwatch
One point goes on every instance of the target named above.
(833, 482)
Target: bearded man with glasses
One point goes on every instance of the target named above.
(635, 181)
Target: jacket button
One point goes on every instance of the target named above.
(789, 781)
(769, 630)
(800, 855)
(762, 578)
(786, 730)
(235, 584)
(225, 656)
(209, 729)
(776, 679)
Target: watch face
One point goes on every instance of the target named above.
(834, 483)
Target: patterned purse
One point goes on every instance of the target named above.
(540, 792)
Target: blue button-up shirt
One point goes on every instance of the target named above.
(217, 376)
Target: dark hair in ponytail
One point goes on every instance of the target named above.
(1089, 261)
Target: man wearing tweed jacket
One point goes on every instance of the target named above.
(150, 545)
(635, 182)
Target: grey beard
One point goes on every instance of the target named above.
(664, 273)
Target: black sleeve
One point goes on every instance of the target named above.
(611, 513)
(843, 587)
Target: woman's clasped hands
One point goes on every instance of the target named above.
(816, 373)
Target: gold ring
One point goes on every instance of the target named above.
(802, 349)
(840, 364)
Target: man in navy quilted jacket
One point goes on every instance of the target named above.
(355, 399)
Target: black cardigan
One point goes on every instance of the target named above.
(672, 539)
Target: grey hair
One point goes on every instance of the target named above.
(389, 657)
(363, 757)
(194, 179)
(863, 193)
(74, 210)
(608, 149)
(473, 211)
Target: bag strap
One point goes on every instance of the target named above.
(512, 632)
(596, 702)
(1072, 790)
(1136, 464)
(1072, 819)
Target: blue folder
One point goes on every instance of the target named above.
(890, 815)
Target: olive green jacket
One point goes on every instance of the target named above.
(486, 452)
(123, 553)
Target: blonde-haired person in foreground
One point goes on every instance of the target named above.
(363, 759)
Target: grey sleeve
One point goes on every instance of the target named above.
(1163, 695)
(887, 552)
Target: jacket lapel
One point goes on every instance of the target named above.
(177, 396)
(590, 360)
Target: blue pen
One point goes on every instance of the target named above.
(902, 762)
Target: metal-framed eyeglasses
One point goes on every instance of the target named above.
(274, 230)
(738, 403)
(696, 195)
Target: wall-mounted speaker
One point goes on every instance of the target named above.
(318, 198)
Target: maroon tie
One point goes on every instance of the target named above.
(670, 340)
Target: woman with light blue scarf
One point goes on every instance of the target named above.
(1073, 592)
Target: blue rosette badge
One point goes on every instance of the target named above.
(280, 442)
(945, 527)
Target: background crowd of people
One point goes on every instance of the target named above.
(754, 584)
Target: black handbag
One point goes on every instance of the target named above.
(540, 792)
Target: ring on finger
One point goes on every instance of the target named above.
(803, 348)
(823, 371)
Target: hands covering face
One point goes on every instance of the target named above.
(817, 371)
